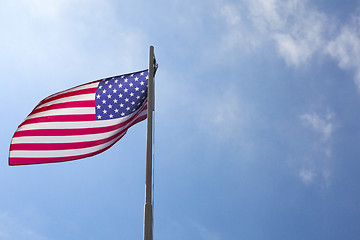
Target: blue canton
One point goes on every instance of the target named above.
(120, 96)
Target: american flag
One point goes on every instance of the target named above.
(81, 121)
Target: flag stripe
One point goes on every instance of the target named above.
(63, 111)
(72, 91)
(61, 118)
(65, 105)
(85, 134)
(66, 145)
(71, 125)
(76, 98)
(39, 160)
(65, 153)
(70, 132)
(68, 94)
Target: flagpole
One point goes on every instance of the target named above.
(148, 212)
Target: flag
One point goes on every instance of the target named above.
(82, 121)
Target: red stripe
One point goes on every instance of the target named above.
(67, 90)
(72, 132)
(85, 103)
(71, 145)
(67, 94)
(62, 146)
(61, 118)
(27, 161)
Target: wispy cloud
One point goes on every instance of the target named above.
(307, 175)
(323, 125)
(345, 48)
(317, 166)
(295, 29)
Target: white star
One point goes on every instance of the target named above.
(137, 97)
(115, 100)
(98, 96)
(104, 91)
(142, 73)
(136, 78)
(142, 91)
(131, 75)
(131, 94)
(109, 106)
(126, 80)
(132, 103)
(98, 106)
(125, 90)
(120, 85)
(110, 86)
(121, 105)
(122, 114)
(120, 95)
(116, 81)
(114, 90)
(128, 108)
(99, 116)
(136, 89)
(106, 82)
(111, 116)
(103, 101)
(126, 99)
(141, 83)
(131, 84)
(147, 77)
(109, 96)
(116, 110)
(100, 87)
(122, 76)
(104, 111)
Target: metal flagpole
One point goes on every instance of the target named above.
(148, 212)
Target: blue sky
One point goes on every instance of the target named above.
(256, 119)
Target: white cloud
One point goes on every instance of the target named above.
(323, 125)
(316, 167)
(231, 14)
(307, 175)
(345, 48)
(295, 28)
(294, 52)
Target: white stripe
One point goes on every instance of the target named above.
(67, 139)
(77, 125)
(62, 153)
(83, 97)
(73, 138)
(65, 111)
(86, 86)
